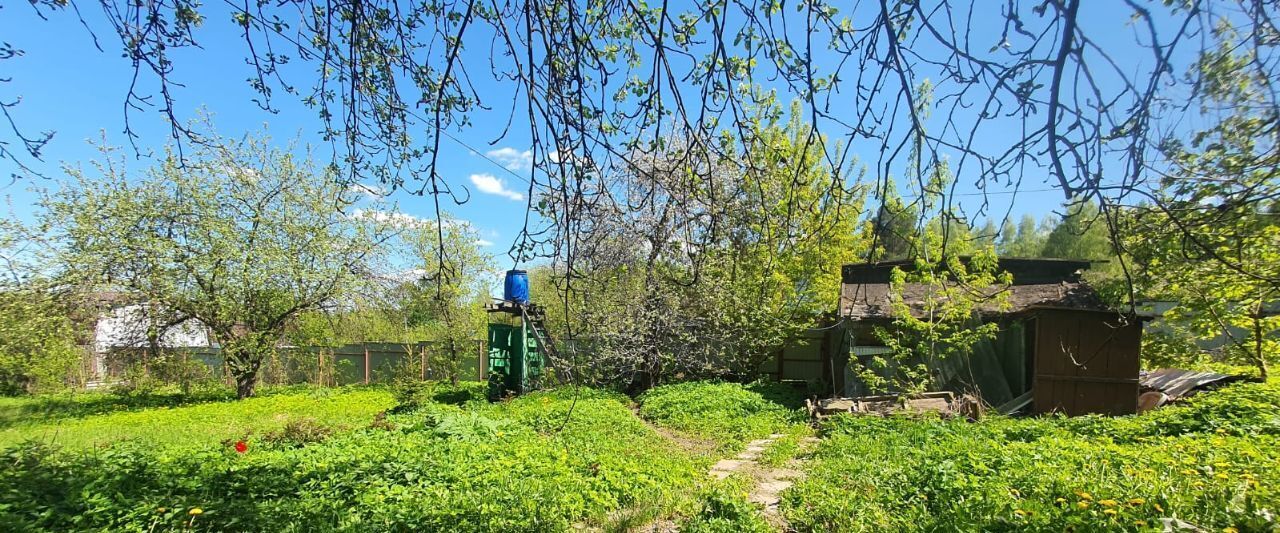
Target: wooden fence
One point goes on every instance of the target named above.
(322, 365)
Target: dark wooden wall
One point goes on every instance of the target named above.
(1085, 362)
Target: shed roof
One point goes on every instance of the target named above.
(1025, 271)
(871, 300)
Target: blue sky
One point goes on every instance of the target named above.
(68, 86)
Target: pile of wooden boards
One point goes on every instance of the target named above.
(945, 404)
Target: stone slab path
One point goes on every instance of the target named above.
(770, 482)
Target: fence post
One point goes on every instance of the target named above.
(422, 360)
(366, 364)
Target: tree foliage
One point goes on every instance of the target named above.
(686, 279)
(1210, 237)
(239, 236)
(37, 342)
(1027, 90)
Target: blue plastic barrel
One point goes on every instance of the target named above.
(516, 287)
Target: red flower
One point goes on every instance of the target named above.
(241, 447)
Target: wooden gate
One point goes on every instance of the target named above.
(1085, 362)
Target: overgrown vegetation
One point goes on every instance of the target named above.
(1212, 462)
(729, 414)
(519, 465)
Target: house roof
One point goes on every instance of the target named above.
(871, 300)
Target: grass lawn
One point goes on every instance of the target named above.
(445, 459)
(442, 461)
(87, 420)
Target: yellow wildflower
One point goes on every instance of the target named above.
(1220, 475)
(1230, 530)
(1246, 476)
(1082, 505)
(1107, 503)
(1136, 501)
(1061, 500)
(195, 511)
(1140, 523)
(1188, 472)
(1158, 508)
(1084, 495)
(1109, 512)
(1019, 512)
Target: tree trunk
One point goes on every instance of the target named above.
(245, 384)
(243, 357)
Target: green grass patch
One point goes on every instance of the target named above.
(723, 507)
(728, 413)
(98, 419)
(1213, 462)
(786, 447)
(522, 465)
(18, 411)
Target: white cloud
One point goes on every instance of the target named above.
(482, 242)
(511, 158)
(489, 184)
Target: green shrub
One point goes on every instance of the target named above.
(411, 394)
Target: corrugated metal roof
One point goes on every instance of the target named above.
(1176, 382)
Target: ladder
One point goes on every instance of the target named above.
(540, 332)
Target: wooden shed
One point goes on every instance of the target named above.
(1059, 349)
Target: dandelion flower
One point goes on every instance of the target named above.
(1188, 472)
(195, 511)
(1082, 505)
(1220, 475)
(1109, 512)
(1229, 529)
(1061, 500)
(1136, 501)
(1140, 523)
(1084, 495)
(1019, 512)
(1158, 508)
(1107, 503)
